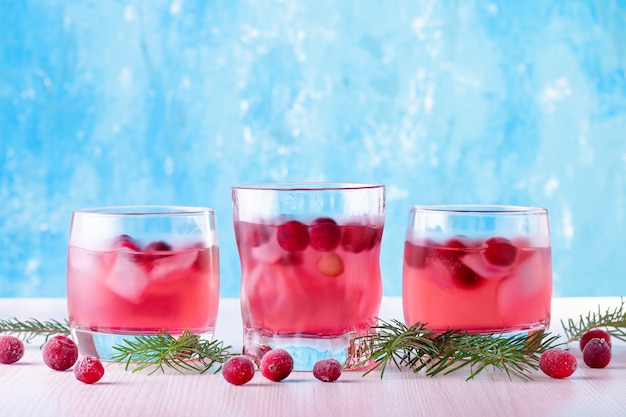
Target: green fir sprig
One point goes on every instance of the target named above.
(613, 320)
(31, 328)
(420, 349)
(186, 352)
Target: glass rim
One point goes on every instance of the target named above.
(144, 210)
(306, 186)
(478, 209)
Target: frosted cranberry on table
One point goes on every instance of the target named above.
(276, 365)
(327, 370)
(238, 370)
(592, 334)
(88, 369)
(11, 349)
(60, 353)
(558, 363)
(597, 353)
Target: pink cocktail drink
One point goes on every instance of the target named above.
(122, 287)
(311, 280)
(491, 285)
(323, 280)
(484, 269)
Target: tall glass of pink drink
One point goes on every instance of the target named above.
(139, 270)
(485, 269)
(310, 268)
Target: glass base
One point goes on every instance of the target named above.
(101, 344)
(349, 349)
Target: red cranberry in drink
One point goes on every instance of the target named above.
(325, 234)
(293, 236)
(158, 246)
(450, 256)
(357, 238)
(252, 234)
(125, 242)
(415, 255)
(11, 349)
(500, 252)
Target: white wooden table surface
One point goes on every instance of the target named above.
(29, 388)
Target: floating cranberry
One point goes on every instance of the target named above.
(592, 334)
(88, 369)
(415, 255)
(238, 370)
(253, 234)
(158, 246)
(325, 234)
(11, 349)
(461, 273)
(557, 363)
(500, 252)
(597, 353)
(357, 238)
(125, 242)
(291, 259)
(293, 236)
(276, 365)
(60, 353)
(327, 370)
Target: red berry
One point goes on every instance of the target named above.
(60, 353)
(293, 236)
(252, 234)
(557, 363)
(500, 252)
(450, 256)
(125, 242)
(11, 349)
(88, 369)
(415, 255)
(597, 353)
(357, 238)
(158, 246)
(238, 370)
(592, 334)
(276, 365)
(325, 234)
(327, 370)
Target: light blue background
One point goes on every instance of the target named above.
(173, 102)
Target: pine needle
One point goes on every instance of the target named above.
(421, 349)
(613, 320)
(31, 328)
(187, 352)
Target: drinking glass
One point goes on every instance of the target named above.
(140, 270)
(484, 269)
(310, 268)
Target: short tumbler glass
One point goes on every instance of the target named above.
(311, 279)
(484, 269)
(140, 270)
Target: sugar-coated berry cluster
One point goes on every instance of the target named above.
(596, 349)
(59, 353)
(276, 365)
